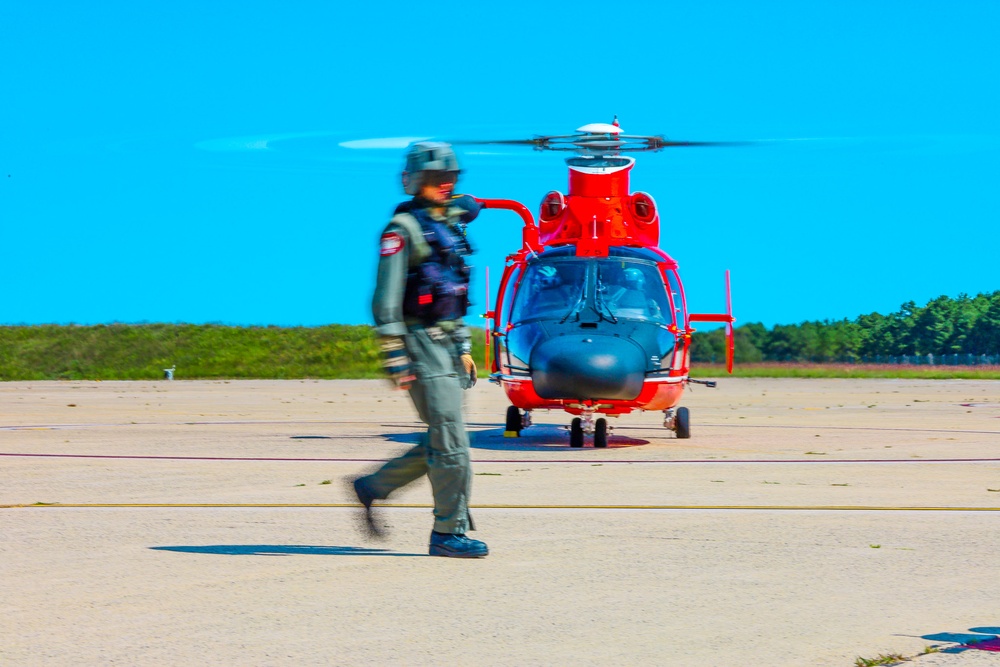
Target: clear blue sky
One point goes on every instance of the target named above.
(180, 162)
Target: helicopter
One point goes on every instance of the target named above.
(590, 316)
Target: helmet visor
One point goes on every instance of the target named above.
(438, 178)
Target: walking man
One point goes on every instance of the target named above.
(421, 295)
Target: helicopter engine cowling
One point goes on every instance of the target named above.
(588, 367)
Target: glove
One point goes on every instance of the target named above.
(396, 362)
(469, 206)
(470, 369)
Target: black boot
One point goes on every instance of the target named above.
(457, 546)
(367, 498)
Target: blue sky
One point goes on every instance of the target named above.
(181, 162)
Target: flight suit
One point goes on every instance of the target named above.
(434, 350)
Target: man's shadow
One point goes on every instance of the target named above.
(537, 438)
(281, 550)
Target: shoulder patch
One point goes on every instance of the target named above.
(391, 243)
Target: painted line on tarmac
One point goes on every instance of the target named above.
(844, 428)
(503, 506)
(156, 457)
(245, 422)
(477, 425)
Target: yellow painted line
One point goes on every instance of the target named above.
(838, 508)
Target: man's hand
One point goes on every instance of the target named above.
(470, 368)
(396, 362)
(468, 204)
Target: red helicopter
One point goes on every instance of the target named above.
(591, 316)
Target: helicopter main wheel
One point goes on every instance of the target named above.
(601, 432)
(682, 423)
(513, 427)
(576, 432)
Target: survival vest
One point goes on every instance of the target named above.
(438, 288)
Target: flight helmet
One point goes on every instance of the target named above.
(548, 277)
(634, 278)
(427, 156)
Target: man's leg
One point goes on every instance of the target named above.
(449, 468)
(437, 397)
(398, 472)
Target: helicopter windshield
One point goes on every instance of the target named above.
(549, 289)
(621, 288)
(632, 290)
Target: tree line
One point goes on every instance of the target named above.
(944, 326)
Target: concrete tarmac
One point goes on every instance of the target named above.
(806, 522)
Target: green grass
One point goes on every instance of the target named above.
(829, 370)
(142, 351)
(212, 351)
(880, 659)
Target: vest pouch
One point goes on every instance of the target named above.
(433, 294)
(450, 301)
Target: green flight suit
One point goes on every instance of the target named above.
(434, 351)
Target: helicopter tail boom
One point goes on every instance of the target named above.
(726, 317)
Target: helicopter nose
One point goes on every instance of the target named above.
(588, 367)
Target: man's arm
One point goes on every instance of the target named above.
(387, 304)
(390, 282)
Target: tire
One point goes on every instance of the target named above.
(601, 433)
(513, 428)
(682, 425)
(576, 433)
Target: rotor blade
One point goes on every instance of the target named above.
(587, 142)
(537, 142)
(656, 143)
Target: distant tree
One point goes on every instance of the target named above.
(933, 327)
(754, 334)
(943, 326)
(968, 311)
(984, 336)
(900, 326)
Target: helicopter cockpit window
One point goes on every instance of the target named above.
(548, 289)
(633, 290)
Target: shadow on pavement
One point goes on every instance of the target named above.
(281, 550)
(980, 639)
(539, 438)
(542, 438)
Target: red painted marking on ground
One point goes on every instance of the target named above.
(367, 460)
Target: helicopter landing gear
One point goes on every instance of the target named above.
(679, 422)
(601, 433)
(586, 424)
(516, 422)
(576, 432)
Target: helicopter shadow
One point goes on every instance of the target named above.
(985, 638)
(281, 550)
(538, 438)
(544, 438)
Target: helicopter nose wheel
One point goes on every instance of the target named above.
(576, 432)
(601, 432)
